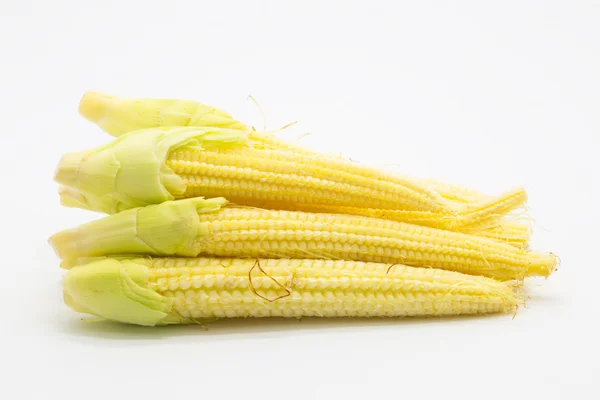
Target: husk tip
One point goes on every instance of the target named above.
(93, 105)
(115, 290)
(68, 168)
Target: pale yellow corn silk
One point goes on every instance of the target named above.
(160, 291)
(118, 115)
(197, 226)
(155, 165)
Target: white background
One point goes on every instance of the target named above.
(485, 94)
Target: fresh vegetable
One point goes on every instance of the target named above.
(158, 291)
(196, 226)
(159, 164)
(265, 227)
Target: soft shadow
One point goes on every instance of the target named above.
(232, 327)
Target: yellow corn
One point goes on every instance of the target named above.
(155, 165)
(206, 227)
(159, 291)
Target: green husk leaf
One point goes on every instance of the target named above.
(169, 228)
(118, 115)
(116, 290)
(131, 171)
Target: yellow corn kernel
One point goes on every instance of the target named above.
(196, 226)
(160, 291)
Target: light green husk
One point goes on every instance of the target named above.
(116, 290)
(168, 228)
(120, 115)
(130, 171)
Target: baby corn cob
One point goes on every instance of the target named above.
(154, 165)
(196, 226)
(161, 291)
(118, 115)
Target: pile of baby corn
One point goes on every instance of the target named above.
(209, 218)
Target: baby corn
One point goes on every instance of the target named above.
(155, 165)
(196, 226)
(147, 291)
